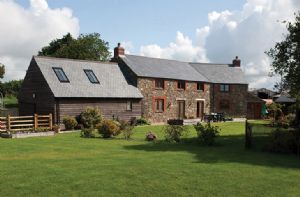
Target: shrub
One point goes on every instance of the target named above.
(69, 122)
(108, 128)
(174, 132)
(207, 133)
(56, 128)
(284, 141)
(140, 121)
(151, 136)
(126, 128)
(90, 117)
(87, 132)
(41, 129)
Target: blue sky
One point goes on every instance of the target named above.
(141, 21)
(188, 30)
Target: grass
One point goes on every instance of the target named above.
(67, 165)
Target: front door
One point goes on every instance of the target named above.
(200, 109)
(181, 110)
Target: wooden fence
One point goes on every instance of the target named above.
(25, 123)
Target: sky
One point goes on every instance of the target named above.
(188, 30)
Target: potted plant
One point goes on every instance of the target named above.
(56, 128)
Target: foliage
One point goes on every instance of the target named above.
(69, 122)
(108, 128)
(2, 70)
(91, 117)
(284, 141)
(11, 88)
(56, 128)
(151, 136)
(173, 133)
(86, 47)
(87, 133)
(140, 121)
(207, 133)
(126, 128)
(41, 129)
(275, 111)
(285, 56)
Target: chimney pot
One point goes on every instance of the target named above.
(119, 51)
(236, 62)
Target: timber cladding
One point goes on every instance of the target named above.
(110, 107)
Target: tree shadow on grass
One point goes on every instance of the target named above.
(228, 149)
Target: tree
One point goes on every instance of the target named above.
(2, 70)
(86, 47)
(286, 57)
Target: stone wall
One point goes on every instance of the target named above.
(171, 95)
(237, 98)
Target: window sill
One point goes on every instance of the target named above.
(159, 111)
(180, 89)
(159, 88)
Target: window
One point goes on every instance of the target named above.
(92, 77)
(129, 106)
(180, 85)
(224, 104)
(200, 86)
(159, 84)
(60, 74)
(159, 105)
(224, 88)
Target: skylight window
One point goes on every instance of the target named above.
(91, 75)
(61, 74)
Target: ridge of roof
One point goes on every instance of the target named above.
(76, 60)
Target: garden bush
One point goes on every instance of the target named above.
(87, 132)
(151, 136)
(140, 121)
(173, 133)
(284, 141)
(108, 128)
(69, 122)
(91, 117)
(207, 133)
(126, 128)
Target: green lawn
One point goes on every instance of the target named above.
(67, 165)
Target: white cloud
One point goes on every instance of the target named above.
(24, 31)
(248, 33)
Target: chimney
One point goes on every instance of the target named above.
(236, 62)
(118, 51)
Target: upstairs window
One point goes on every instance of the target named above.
(181, 85)
(200, 86)
(60, 74)
(91, 75)
(159, 84)
(224, 88)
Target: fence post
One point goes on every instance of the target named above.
(35, 121)
(248, 135)
(50, 121)
(8, 123)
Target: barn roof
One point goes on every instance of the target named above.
(221, 73)
(172, 69)
(112, 81)
(162, 68)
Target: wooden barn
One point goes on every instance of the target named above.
(254, 106)
(67, 87)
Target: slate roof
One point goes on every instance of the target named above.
(162, 68)
(221, 73)
(112, 81)
(172, 69)
(285, 99)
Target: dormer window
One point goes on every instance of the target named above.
(91, 76)
(61, 74)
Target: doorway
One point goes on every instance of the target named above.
(181, 110)
(200, 110)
